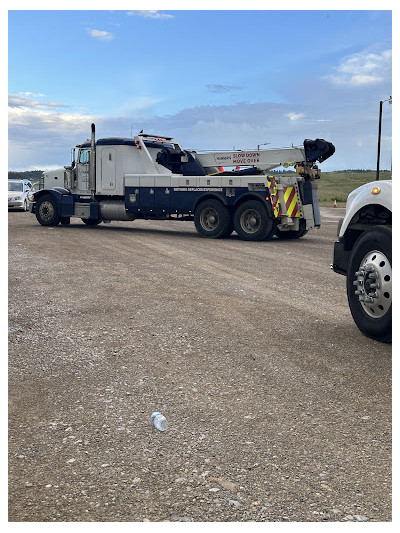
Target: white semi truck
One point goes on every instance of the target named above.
(153, 177)
(363, 253)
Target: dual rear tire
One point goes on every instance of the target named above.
(250, 220)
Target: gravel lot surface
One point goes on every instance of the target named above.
(278, 408)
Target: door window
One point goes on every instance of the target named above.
(84, 156)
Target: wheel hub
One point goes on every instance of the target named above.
(374, 284)
(46, 210)
(250, 221)
(209, 219)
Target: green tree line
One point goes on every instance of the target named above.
(32, 175)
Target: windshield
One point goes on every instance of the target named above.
(15, 187)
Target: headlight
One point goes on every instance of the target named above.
(15, 198)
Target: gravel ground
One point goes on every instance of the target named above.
(278, 408)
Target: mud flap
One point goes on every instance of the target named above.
(315, 204)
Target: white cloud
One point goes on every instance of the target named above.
(100, 35)
(363, 69)
(24, 100)
(151, 13)
(28, 93)
(42, 137)
(220, 88)
(44, 119)
(295, 116)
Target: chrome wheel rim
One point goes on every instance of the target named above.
(374, 284)
(46, 210)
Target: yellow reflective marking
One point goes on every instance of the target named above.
(293, 204)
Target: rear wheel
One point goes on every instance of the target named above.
(369, 283)
(293, 234)
(212, 219)
(252, 222)
(47, 211)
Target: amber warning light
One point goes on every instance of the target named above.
(376, 190)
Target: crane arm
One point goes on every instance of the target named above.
(311, 151)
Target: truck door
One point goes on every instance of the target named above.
(82, 172)
(108, 169)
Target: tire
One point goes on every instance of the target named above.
(91, 221)
(252, 222)
(369, 283)
(25, 208)
(212, 219)
(47, 211)
(293, 234)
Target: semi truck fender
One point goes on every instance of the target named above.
(64, 199)
(363, 197)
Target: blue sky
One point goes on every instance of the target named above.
(213, 79)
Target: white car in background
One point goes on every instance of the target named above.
(18, 191)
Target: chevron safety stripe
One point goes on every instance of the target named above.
(290, 197)
(274, 196)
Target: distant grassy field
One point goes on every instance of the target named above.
(337, 185)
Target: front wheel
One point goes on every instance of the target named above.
(212, 219)
(369, 283)
(47, 211)
(252, 223)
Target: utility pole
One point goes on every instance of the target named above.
(379, 134)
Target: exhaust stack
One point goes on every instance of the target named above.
(92, 163)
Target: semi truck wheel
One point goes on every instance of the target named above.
(212, 219)
(47, 211)
(293, 234)
(369, 283)
(252, 223)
